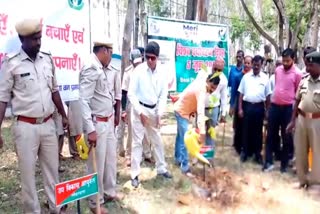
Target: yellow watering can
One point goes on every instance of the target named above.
(193, 145)
(82, 147)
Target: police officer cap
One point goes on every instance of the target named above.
(313, 57)
(106, 44)
(28, 27)
(135, 54)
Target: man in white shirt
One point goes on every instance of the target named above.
(254, 100)
(125, 151)
(147, 93)
(218, 99)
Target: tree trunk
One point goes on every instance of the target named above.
(108, 15)
(203, 6)
(143, 33)
(127, 34)
(191, 12)
(136, 24)
(259, 29)
(315, 27)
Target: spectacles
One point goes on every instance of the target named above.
(153, 58)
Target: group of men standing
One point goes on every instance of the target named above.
(288, 101)
(28, 79)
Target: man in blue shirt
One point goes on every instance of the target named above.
(235, 76)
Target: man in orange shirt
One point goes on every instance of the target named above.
(192, 100)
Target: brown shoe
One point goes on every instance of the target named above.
(61, 169)
(103, 210)
(150, 160)
(122, 154)
(128, 162)
(117, 197)
(63, 209)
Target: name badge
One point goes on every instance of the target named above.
(25, 75)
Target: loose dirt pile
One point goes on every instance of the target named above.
(220, 189)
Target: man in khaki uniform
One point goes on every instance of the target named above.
(97, 103)
(29, 77)
(113, 77)
(75, 126)
(306, 120)
(136, 59)
(60, 135)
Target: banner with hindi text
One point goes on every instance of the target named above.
(185, 46)
(65, 34)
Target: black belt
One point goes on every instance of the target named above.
(259, 103)
(148, 106)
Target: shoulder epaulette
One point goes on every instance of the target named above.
(11, 56)
(305, 76)
(114, 68)
(46, 52)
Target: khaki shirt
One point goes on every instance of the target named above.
(95, 96)
(126, 78)
(114, 82)
(30, 83)
(309, 93)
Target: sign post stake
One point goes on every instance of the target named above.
(78, 207)
(95, 171)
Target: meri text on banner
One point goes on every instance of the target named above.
(185, 46)
(65, 34)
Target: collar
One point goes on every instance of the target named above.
(24, 55)
(313, 80)
(96, 61)
(241, 68)
(258, 75)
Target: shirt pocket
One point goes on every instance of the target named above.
(24, 81)
(316, 97)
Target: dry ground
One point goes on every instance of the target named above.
(237, 188)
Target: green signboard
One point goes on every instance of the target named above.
(76, 189)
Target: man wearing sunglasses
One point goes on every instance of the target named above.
(98, 95)
(147, 94)
(218, 99)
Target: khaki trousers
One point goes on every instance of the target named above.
(106, 159)
(138, 133)
(307, 134)
(127, 148)
(32, 141)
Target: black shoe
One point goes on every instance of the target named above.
(243, 157)
(135, 182)
(166, 175)
(258, 159)
(267, 167)
(283, 169)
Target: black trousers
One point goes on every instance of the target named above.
(253, 115)
(279, 117)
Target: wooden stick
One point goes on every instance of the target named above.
(223, 135)
(98, 210)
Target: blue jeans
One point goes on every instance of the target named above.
(213, 114)
(180, 153)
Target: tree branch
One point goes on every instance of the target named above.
(259, 29)
(299, 23)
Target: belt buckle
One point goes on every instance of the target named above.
(309, 115)
(40, 120)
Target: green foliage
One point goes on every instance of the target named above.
(269, 16)
(244, 29)
(159, 8)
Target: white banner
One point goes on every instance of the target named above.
(65, 34)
